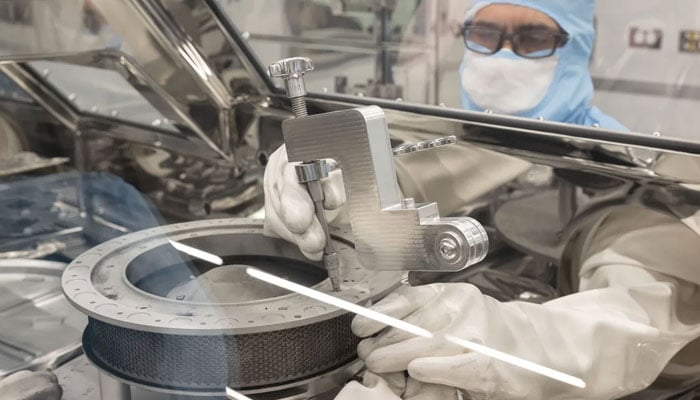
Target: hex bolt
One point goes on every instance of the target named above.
(449, 249)
(292, 71)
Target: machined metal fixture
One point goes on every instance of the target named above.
(309, 172)
(431, 243)
(390, 236)
(145, 330)
(292, 71)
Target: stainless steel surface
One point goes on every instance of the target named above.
(194, 180)
(39, 328)
(127, 67)
(111, 388)
(388, 236)
(26, 162)
(79, 379)
(197, 61)
(171, 56)
(176, 134)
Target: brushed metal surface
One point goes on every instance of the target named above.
(387, 235)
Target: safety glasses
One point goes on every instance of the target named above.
(527, 42)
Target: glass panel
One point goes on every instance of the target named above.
(47, 26)
(9, 89)
(588, 289)
(643, 72)
(165, 88)
(107, 94)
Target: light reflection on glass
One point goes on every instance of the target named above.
(384, 319)
(519, 362)
(234, 395)
(196, 253)
(340, 303)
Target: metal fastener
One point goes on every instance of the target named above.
(292, 71)
(449, 249)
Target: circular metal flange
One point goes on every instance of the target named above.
(97, 283)
(123, 286)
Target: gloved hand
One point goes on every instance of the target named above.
(289, 210)
(617, 339)
(27, 385)
(394, 387)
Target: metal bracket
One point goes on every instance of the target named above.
(390, 233)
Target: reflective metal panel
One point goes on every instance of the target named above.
(628, 155)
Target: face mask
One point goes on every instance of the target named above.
(506, 83)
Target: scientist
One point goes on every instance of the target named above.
(530, 59)
(638, 289)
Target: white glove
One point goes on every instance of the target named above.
(617, 339)
(27, 385)
(289, 210)
(394, 387)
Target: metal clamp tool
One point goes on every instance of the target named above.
(292, 71)
(391, 233)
